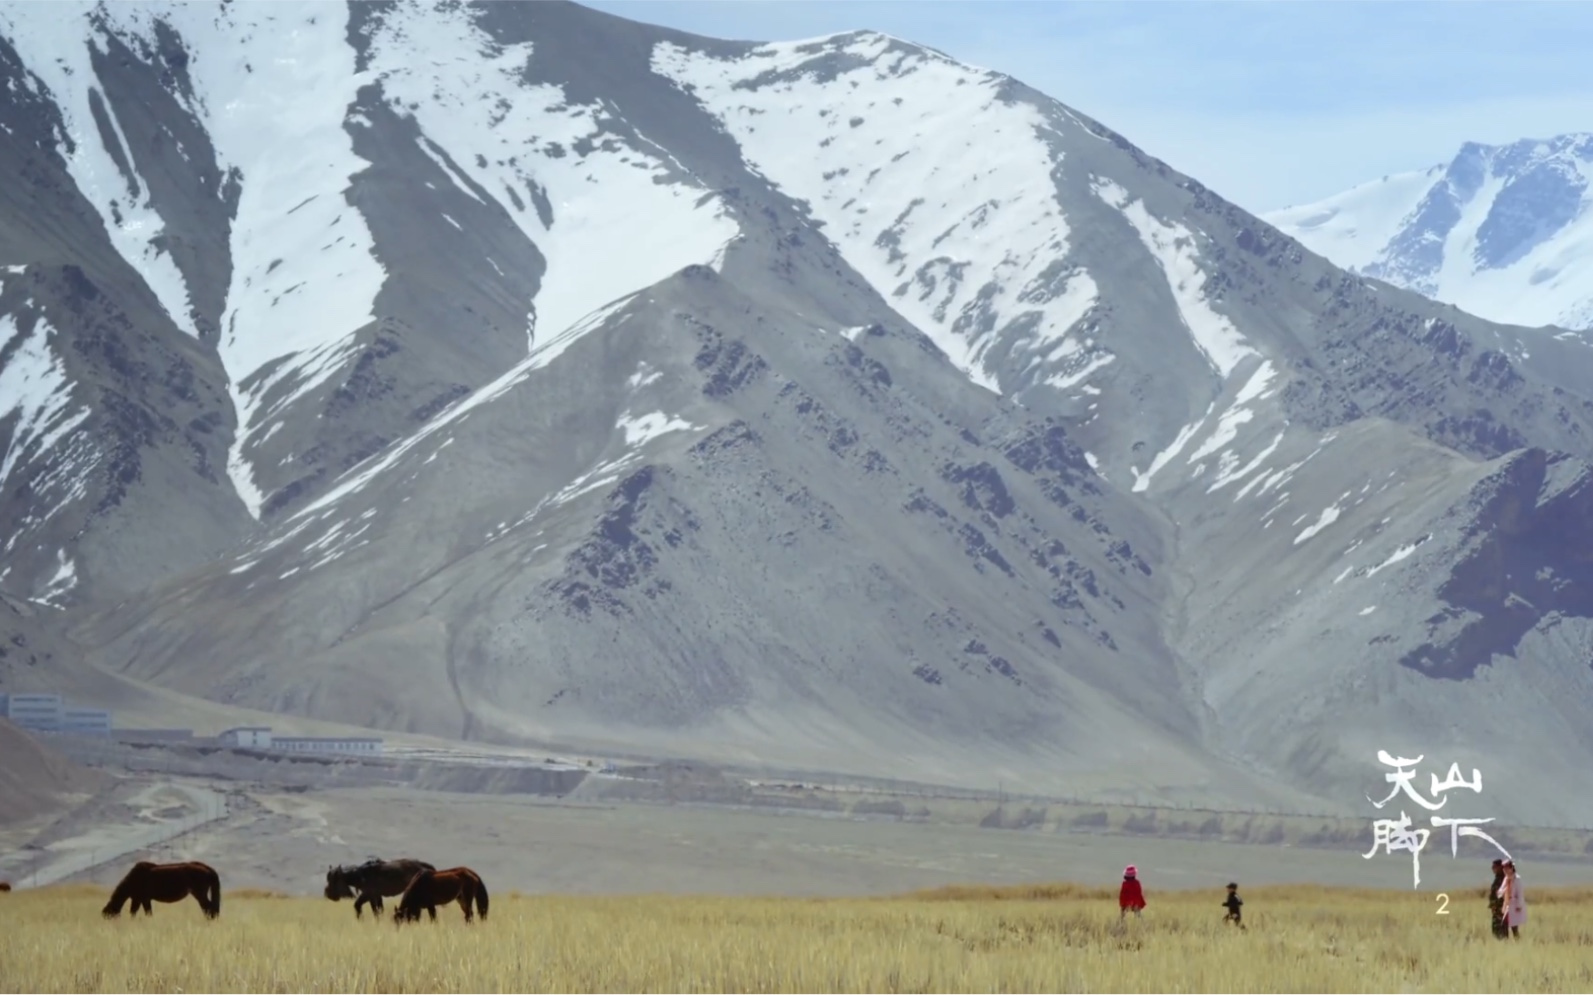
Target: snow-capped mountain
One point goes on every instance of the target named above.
(1502, 231)
(515, 372)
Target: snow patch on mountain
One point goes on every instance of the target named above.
(1173, 246)
(61, 582)
(1228, 470)
(54, 40)
(1399, 554)
(961, 232)
(639, 429)
(1238, 413)
(1142, 481)
(1083, 360)
(643, 376)
(1329, 515)
(1268, 482)
(599, 476)
(1257, 388)
(620, 217)
(36, 392)
(717, 263)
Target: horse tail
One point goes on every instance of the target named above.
(481, 897)
(213, 882)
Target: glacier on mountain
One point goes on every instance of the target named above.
(1502, 231)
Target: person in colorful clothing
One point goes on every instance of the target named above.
(1131, 895)
(1513, 900)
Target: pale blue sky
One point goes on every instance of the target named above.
(1270, 103)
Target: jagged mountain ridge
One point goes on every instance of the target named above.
(1501, 231)
(1240, 522)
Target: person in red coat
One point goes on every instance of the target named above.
(1130, 896)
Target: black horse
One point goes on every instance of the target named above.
(367, 883)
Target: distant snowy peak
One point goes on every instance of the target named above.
(1354, 228)
(1502, 231)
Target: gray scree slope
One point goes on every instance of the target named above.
(834, 405)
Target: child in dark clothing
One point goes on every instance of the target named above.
(1496, 902)
(1232, 903)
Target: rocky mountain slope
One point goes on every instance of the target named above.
(1501, 231)
(829, 403)
(36, 781)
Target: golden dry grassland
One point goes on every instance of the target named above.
(1040, 938)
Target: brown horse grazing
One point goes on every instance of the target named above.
(5, 885)
(150, 882)
(430, 889)
(370, 882)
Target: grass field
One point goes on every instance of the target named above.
(1043, 938)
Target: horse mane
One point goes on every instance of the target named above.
(424, 874)
(358, 870)
(355, 869)
(413, 890)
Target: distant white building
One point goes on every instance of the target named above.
(261, 738)
(86, 721)
(47, 712)
(34, 711)
(327, 744)
(258, 737)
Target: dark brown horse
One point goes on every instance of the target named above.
(370, 882)
(430, 889)
(150, 882)
(5, 885)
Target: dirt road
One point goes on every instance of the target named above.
(155, 814)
